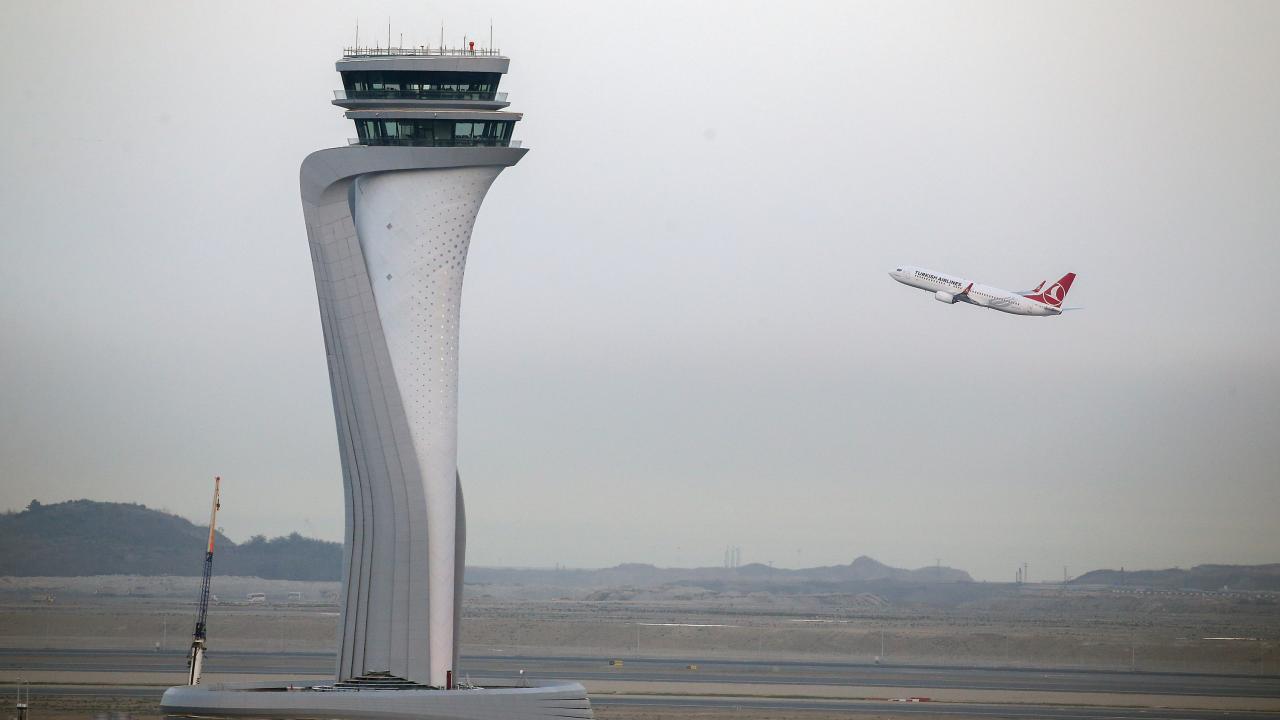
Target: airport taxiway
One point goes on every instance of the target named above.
(667, 670)
(669, 704)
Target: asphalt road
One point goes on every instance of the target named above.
(850, 707)
(669, 670)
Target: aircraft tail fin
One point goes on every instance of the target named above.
(1055, 293)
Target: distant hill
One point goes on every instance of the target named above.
(1200, 577)
(84, 537)
(751, 575)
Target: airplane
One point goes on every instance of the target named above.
(1041, 301)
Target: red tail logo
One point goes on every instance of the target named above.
(1055, 293)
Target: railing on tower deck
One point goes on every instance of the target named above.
(360, 52)
(488, 96)
(454, 142)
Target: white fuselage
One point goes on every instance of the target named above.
(951, 289)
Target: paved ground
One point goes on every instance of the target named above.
(897, 709)
(645, 688)
(593, 670)
(665, 706)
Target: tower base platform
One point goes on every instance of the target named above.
(493, 700)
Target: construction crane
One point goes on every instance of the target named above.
(195, 661)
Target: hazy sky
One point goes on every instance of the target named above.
(678, 330)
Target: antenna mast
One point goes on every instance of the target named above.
(195, 660)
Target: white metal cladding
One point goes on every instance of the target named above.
(392, 350)
(414, 228)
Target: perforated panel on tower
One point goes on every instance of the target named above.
(414, 229)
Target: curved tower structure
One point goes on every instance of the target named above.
(389, 220)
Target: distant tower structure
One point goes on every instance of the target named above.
(389, 220)
(732, 556)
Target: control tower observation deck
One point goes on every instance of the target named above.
(389, 220)
(426, 98)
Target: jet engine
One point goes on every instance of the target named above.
(947, 298)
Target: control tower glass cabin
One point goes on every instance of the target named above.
(396, 97)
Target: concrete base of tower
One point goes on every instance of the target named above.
(497, 700)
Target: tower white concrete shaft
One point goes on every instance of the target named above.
(389, 220)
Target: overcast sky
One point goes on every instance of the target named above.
(678, 330)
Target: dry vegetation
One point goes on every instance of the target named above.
(1009, 625)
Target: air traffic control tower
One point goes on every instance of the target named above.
(389, 220)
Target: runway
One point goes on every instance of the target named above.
(849, 707)
(709, 670)
(1041, 712)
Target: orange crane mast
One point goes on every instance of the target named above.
(195, 660)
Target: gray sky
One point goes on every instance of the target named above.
(678, 331)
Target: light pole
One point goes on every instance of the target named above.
(22, 704)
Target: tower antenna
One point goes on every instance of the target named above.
(357, 48)
(491, 35)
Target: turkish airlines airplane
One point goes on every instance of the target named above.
(950, 290)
